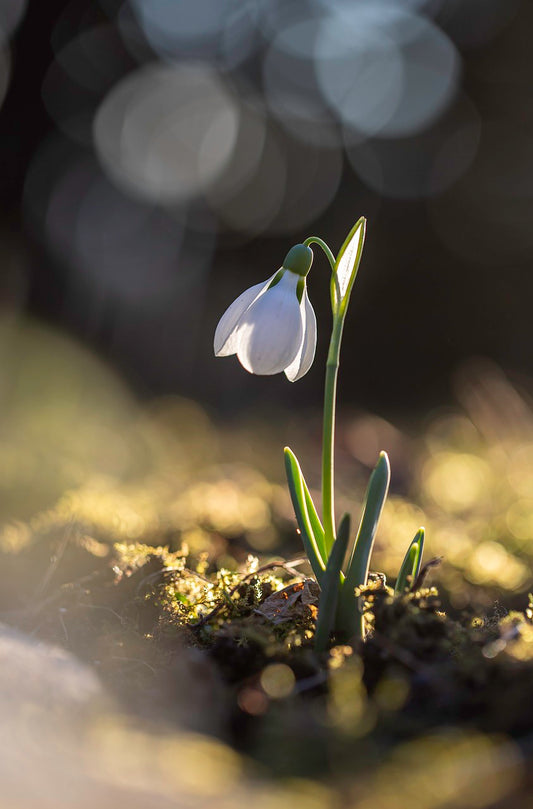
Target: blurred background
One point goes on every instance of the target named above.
(160, 156)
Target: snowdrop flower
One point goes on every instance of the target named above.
(272, 326)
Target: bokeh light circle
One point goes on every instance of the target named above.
(428, 7)
(385, 70)
(11, 14)
(422, 165)
(250, 205)
(290, 85)
(166, 133)
(117, 244)
(106, 242)
(313, 176)
(273, 182)
(85, 69)
(218, 30)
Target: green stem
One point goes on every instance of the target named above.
(328, 433)
(330, 394)
(321, 243)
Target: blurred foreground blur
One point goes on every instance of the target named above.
(62, 744)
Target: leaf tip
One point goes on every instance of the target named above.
(383, 461)
(345, 523)
(360, 224)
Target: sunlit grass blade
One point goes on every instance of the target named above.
(347, 265)
(411, 564)
(330, 587)
(299, 502)
(349, 618)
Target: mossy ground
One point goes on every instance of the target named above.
(155, 623)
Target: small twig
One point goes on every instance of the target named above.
(54, 563)
(419, 581)
(136, 660)
(82, 606)
(164, 572)
(35, 608)
(62, 622)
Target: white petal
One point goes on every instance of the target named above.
(226, 340)
(271, 330)
(304, 359)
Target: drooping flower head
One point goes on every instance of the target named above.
(272, 326)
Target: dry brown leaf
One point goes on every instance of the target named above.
(293, 603)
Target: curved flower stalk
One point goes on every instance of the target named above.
(272, 328)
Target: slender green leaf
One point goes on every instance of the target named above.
(347, 265)
(411, 564)
(299, 502)
(314, 519)
(316, 525)
(330, 587)
(349, 619)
